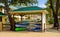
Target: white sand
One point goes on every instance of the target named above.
(29, 34)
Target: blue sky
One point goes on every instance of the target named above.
(41, 3)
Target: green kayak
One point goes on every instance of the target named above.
(20, 29)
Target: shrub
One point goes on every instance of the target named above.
(51, 21)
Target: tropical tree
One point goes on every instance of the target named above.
(7, 3)
(54, 7)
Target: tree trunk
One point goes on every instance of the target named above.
(55, 13)
(11, 20)
(56, 24)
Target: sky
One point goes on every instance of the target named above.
(41, 3)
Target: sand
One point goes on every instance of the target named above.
(29, 34)
(48, 33)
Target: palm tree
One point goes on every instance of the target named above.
(7, 3)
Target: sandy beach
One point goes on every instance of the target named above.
(29, 34)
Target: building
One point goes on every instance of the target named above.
(32, 11)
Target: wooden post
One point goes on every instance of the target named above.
(3, 19)
(21, 18)
(1, 26)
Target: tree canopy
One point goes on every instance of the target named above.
(15, 2)
(54, 6)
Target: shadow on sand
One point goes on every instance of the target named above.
(52, 30)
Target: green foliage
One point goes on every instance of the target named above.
(54, 7)
(1, 1)
(51, 21)
(26, 2)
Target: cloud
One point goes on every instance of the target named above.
(42, 6)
